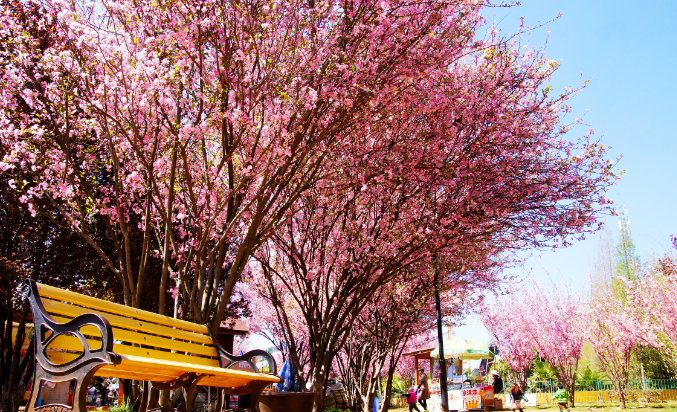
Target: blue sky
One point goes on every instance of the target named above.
(629, 50)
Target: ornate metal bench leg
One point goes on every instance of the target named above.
(187, 382)
(80, 396)
(255, 388)
(189, 392)
(256, 397)
(81, 369)
(35, 391)
(82, 378)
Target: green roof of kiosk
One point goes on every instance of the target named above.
(464, 349)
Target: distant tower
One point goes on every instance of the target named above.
(627, 263)
(624, 222)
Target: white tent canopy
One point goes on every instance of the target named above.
(463, 349)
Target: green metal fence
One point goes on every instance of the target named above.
(599, 391)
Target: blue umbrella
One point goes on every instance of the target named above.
(285, 385)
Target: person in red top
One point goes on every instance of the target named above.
(411, 399)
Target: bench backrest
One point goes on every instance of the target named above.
(136, 332)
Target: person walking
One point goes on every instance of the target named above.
(562, 398)
(517, 397)
(423, 391)
(411, 399)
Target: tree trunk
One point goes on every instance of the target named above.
(318, 388)
(13, 368)
(572, 391)
(620, 391)
(387, 391)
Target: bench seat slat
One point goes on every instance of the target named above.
(135, 367)
(130, 362)
(157, 355)
(102, 305)
(73, 343)
(149, 377)
(54, 307)
(152, 340)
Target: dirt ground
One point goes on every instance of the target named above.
(654, 407)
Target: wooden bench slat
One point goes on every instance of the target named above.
(55, 307)
(151, 376)
(130, 362)
(135, 367)
(118, 371)
(102, 305)
(157, 355)
(152, 340)
(73, 343)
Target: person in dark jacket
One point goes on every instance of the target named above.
(517, 397)
(423, 390)
(498, 383)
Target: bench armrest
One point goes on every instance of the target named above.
(247, 357)
(43, 323)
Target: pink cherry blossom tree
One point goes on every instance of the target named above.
(653, 302)
(432, 189)
(545, 322)
(614, 332)
(374, 345)
(399, 315)
(309, 279)
(202, 123)
(556, 315)
(508, 321)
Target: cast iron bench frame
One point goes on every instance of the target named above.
(191, 370)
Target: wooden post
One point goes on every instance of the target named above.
(418, 378)
(121, 399)
(444, 403)
(430, 363)
(641, 366)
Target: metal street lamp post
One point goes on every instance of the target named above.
(443, 364)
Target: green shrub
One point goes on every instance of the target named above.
(400, 386)
(588, 375)
(121, 408)
(333, 409)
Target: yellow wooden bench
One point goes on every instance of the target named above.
(78, 337)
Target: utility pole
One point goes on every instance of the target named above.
(440, 341)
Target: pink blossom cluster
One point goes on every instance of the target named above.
(336, 153)
(539, 322)
(652, 303)
(614, 331)
(553, 324)
(201, 124)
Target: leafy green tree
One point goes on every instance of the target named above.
(652, 362)
(628, 266)
(542, 371)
